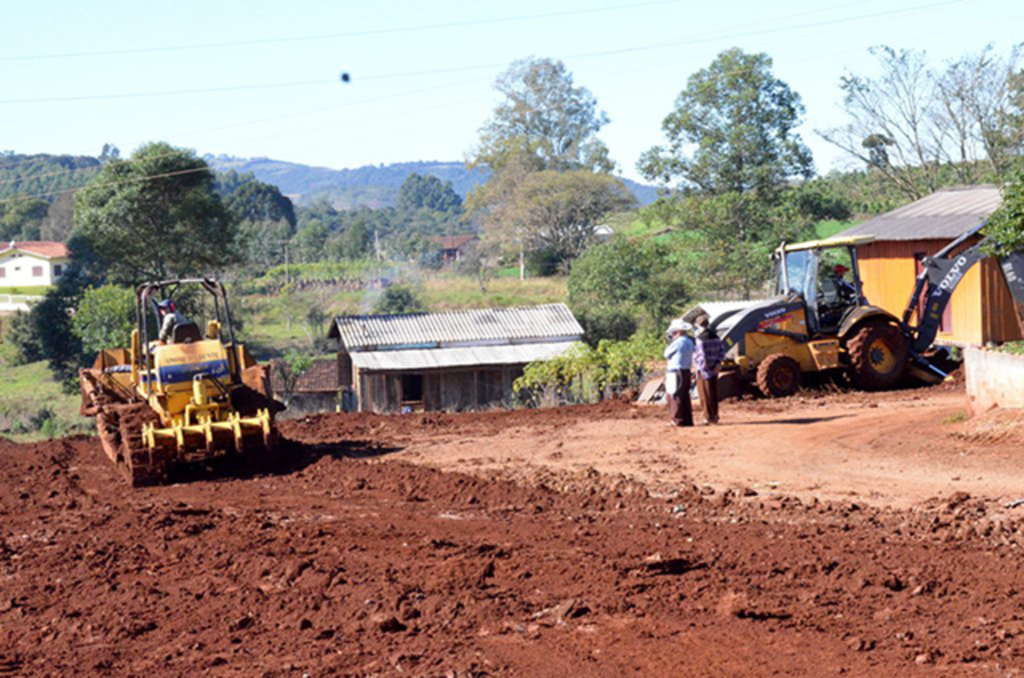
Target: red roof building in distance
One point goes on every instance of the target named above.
(451, 246)
(27, 268)
(41, 248)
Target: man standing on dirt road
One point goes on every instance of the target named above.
(679, 355)
(707, 357)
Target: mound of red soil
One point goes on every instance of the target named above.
(343, 566)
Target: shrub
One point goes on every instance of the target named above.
(397, 300)
(586, 374)
(625, 285)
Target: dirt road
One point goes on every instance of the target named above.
(892, 449)
(840, 534)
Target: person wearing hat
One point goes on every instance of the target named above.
(679, 355)
(844, 287)
(708, 354)
(169, 319)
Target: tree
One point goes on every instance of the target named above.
(22, 335)
(287, 372)
(545, 117)
(252, 200)
(1006, 225)
(735, 206)
(155, 216)
(309, 243)
(356, 241)
(729, 238)
(976, 113)
(398, 300)
(622, 286)
(561, 210)
(740, 121)
(921, 129)
(263, 243)
(427, 192)
(59, 220)
(105, 318)
(20, 218)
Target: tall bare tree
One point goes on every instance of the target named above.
(976, 93)
(918, 127)
(892, 121)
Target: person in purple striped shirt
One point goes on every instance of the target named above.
(707, 358)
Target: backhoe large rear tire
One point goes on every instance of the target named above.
(877, 352)
(778, 376)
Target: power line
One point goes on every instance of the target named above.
(429, 89)
(332, 36)
(678, 43)
(32, 177)
(133, 180)
(164, 93)
(462, 69)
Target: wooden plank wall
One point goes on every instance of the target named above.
(1000, 324)
(447, 390)
(888, 272)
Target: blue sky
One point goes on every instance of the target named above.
(76, 75)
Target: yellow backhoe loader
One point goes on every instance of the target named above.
(191, 396)
(818, 321)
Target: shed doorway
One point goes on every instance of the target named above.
(412, 392)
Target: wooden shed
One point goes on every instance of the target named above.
(455, 360)
(981, 309)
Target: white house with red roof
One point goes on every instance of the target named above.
(27, 266)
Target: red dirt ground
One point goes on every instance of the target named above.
(865, 535)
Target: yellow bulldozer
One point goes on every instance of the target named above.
(182, 392)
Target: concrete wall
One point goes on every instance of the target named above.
(9, 303)
(994, 379)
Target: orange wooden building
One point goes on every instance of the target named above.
(981, 309)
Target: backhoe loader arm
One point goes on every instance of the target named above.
(939, 278)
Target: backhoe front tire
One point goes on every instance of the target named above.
(878, 356)
(778, 376)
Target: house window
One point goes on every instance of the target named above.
(3, 272)
(58, 270)
(37, 271)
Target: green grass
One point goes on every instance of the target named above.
(32, 405)
(830, 227)
(449, 293)
(1014, 347)
(635, 227)
(37, 290)
(957, 417)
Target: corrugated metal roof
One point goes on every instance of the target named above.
(471, 356)
(439, 330)
(947, 213)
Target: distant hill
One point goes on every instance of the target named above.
(371, 186)
(44, 174)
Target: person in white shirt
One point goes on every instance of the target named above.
(679, 355)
